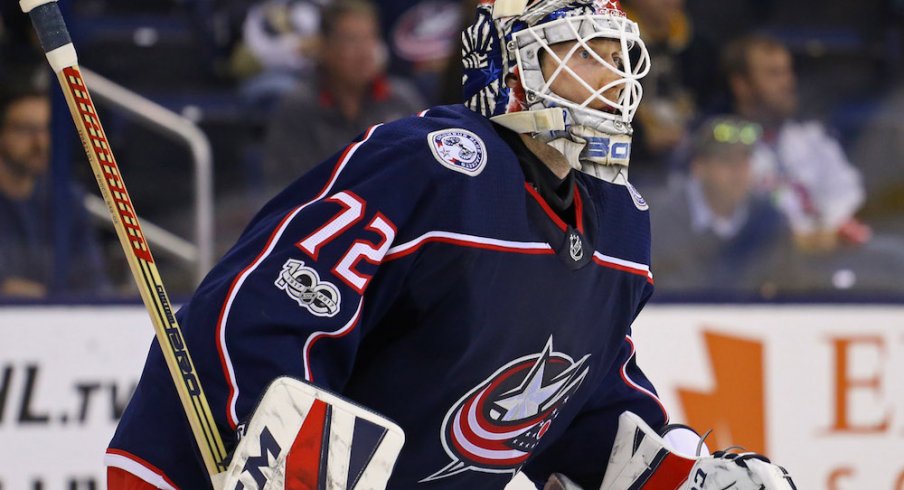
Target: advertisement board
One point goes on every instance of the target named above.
(66, 374)
(817, 388)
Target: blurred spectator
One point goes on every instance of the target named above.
(798, 163)
(26, 220)
(349, 92)
(423, 38)
(713, 232)
(679, 83)
(450, 81)
(879, 151)
(280, 41)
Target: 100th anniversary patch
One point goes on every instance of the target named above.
(459, 150)
(303, 284)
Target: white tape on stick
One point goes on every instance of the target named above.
(29, 5)
(62, 57)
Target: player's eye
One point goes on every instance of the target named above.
(584, 54)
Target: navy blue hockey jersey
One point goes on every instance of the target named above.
(417, 273)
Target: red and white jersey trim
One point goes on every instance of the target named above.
(625, 265)
(232, 416)
(467, 241)
(140, 468)
(474, 241)
(630, 382)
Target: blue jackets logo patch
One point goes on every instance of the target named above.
(495, 427)
(459, 150)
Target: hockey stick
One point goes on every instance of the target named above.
(52, 32)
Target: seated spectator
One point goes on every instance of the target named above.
(279, 45)
(679, 83)
(423, 39)
(280, 40)
(797, 163)
(27, 226)
(349, 93)
(712, 232)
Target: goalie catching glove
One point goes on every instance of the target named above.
(642, 460)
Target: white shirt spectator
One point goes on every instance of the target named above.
(809, 177)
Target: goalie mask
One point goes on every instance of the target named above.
(503, 56)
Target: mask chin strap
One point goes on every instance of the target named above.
(602, 155)
(535, 121)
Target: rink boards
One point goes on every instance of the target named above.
(818, 388)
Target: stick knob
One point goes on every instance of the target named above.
(52, 32)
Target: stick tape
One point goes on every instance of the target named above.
(48, 22)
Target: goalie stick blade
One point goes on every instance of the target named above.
(302, 436)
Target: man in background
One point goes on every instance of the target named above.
(798, 163)
(349, 92)
(27, 225)
(712, 232)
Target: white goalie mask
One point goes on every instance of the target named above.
(510, 39)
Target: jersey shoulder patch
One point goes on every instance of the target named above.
(459, 150)
(639, 202)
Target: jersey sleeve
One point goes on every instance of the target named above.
(306, 282)
(582, 451)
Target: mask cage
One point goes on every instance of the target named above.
(528, 42)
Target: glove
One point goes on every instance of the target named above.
(739, 471)
(641, 459)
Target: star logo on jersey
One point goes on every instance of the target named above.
(495, 427)
(303, 284)
(459, 150)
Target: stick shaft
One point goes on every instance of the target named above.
(51, 29)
